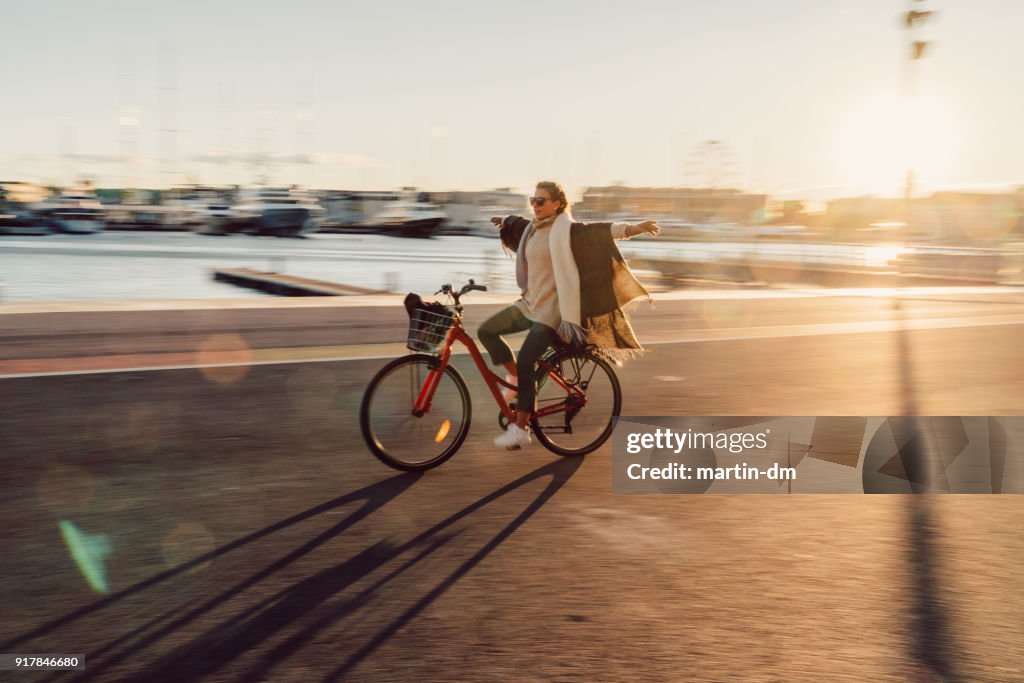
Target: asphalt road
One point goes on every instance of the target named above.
(252, 537)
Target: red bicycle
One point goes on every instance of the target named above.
(416, 410)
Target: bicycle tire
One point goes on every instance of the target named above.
(386, 446)
(577, 361)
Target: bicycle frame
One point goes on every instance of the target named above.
(494, 382)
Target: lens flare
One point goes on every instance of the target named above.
(185, 542)
(229, 354)
(89, 552)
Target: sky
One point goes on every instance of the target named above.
(804, 98)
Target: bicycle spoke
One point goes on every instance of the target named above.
(399, 437)
(576, 428)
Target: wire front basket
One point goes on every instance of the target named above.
(427, 330)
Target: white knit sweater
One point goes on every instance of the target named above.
(539, 301)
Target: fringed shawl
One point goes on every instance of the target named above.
(605, 285)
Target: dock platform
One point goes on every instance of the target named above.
(287, 285)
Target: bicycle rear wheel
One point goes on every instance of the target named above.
(578, 428)
(397, 436)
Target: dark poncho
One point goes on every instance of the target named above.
(606, 284)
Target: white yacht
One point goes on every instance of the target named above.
(410, 218)
(470, 212)
(207, 210)
(187, 207)
(78, 212)
(278, 211)
(348, 211)
(219, 217)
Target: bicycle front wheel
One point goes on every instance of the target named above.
(395, 434)
(574, 427)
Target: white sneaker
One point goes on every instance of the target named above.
(514, 437)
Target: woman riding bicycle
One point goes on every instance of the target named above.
(574, 283)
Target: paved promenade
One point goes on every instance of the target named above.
(214, 454)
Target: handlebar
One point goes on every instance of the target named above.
(470, 287)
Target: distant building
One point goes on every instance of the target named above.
(943, 215)
(974, 214)
(684, 204)
(851, 214)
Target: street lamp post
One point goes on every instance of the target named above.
(913, 20)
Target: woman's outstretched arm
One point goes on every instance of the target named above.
(623, 231)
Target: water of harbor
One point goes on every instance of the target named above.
(139, 266)
(179, 265)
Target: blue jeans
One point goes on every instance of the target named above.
(540, 338)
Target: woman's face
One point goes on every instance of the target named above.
(543, 205)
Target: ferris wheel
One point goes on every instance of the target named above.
(712, 165)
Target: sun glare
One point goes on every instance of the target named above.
(881, 140)
(881, 255)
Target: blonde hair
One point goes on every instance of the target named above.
(556, 192)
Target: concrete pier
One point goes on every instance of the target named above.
(286, 285)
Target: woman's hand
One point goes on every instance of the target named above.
(634, 229)
(496, 220)
(649, 226)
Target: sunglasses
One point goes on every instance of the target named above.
(539, 201)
